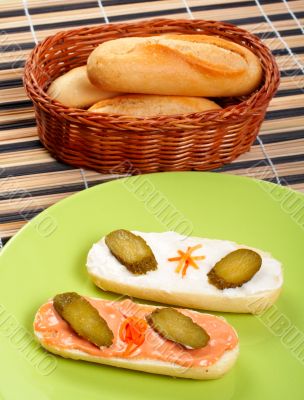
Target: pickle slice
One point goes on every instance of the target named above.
(177, 327)
(83, 318)
(131, 251)
(235, 269)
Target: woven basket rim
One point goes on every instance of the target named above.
(39, 95)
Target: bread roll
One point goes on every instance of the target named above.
(155, 355)
(74, 89)
(185, 65)
(194, 290)
(217, 370)
(149, 105)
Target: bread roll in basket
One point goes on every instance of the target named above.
(111, 143)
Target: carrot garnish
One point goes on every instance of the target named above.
(174, 259)
(186, 259)
(132, 331)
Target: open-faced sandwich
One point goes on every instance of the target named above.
(162, 340)
(194, 272)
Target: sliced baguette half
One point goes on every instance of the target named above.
(193, 290)
(156, 355)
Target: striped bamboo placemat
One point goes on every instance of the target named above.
(31, 180)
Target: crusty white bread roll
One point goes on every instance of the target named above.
(155, 355)
(192, 290)
(74, 89)
(148, 105)
(185, 65)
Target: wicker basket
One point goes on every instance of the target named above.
(111, 143)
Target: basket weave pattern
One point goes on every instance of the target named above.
(108, 143)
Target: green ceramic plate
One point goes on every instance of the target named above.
(48, 256)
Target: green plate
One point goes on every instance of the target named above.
(48, 256)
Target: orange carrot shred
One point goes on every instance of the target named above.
(132, 332)
(193, 263)
(174, 259)
(180, 264)
(186, 259)
(198, 246)
(129, 349)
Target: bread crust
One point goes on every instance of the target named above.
(253, 304)
(149, 105)
(73, 89)
(218, 369)
(186, 65)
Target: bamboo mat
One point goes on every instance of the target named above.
(31, 180)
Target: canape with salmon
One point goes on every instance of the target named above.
(161, 340)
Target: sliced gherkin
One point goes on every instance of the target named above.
(83, 318)
(132, 251)
(177, 327)
(235, 269)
